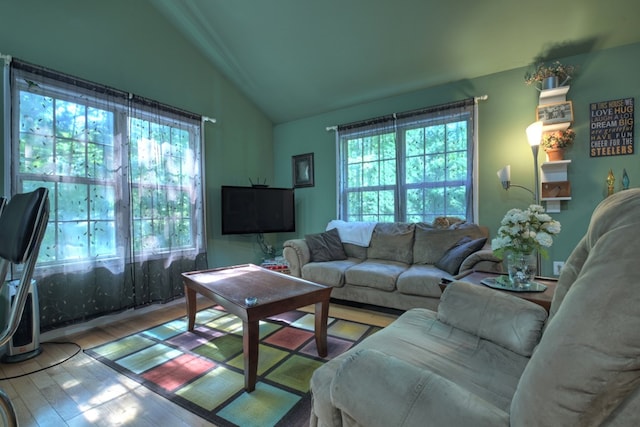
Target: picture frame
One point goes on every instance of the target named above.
(302, 170)
(558, 112)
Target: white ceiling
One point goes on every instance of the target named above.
(298, 58)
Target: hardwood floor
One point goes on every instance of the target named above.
(83, 392)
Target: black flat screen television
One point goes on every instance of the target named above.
(248, 210)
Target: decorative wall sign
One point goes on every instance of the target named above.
(611, 128)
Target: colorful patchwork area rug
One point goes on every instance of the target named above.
(203, 370)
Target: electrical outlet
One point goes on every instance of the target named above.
(557, 267)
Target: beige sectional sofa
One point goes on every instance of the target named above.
(401, 267)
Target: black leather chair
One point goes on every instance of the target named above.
(23, 221)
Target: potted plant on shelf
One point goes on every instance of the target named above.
(550, 75)
(554, 143)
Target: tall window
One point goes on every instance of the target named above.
(411, 167)
(125, 190)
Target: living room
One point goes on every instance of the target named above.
(245, 143)
(132, 46)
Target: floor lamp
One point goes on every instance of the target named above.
(534, 136)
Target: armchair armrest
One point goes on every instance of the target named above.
(416, 395)
(297, 254)
(482, 260)
(504, 319)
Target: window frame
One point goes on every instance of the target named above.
(121, 108)
(411, 120)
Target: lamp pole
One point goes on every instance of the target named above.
(536, 177)
(534, 135)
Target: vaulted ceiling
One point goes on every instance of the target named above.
(298, 58)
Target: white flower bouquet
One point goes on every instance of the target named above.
(525, 232)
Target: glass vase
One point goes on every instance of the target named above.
(521, 267)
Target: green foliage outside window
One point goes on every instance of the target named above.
(89, 157)
(416, 173)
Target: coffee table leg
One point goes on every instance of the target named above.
(250, 336)
(321, 316)
(190, 298)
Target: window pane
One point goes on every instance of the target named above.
(354, 176)
(70, 120)
(435, 168)
(70, 157)
(100, 126)
(435, 139)
(415, 170)
(415, 142)
(371, 174)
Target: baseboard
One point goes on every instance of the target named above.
(62, 333)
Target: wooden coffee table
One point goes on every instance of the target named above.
(275, 293)
(541, 298)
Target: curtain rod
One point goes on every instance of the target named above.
(101, 88)
(6, 58)
(475, 100)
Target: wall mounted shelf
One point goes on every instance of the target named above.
(554, 178)
(553, 96)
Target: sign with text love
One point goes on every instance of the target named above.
(611, 128)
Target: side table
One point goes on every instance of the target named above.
(541, 298)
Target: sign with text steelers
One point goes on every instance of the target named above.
(611, 124)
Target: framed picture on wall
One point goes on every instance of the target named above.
(302, 168)
(559, 112)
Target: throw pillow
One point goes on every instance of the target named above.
(452, 259)
(392, 241)
(325, 246)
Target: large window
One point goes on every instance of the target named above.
(123, 173)
(411, 167)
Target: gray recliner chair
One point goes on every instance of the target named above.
(23, 221)
(491, 359)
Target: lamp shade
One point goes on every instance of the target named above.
(505, 173)
(505, 176)
(534, 133)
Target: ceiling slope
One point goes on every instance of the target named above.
(296, 58)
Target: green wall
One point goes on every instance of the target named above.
(510, 108)
(130, 46)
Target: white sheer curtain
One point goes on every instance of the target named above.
(124, 175)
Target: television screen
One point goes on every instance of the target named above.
(247, 210)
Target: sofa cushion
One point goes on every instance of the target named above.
(485, 369)
(416, 394)
(325, 246)
(504, 319)
(375, 273)
(392, 241)
(329, 273)
(430, 244)
(452, 259)
(422, 280)
(354, 251)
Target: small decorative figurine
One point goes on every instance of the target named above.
(610, 181)
(625, 180)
